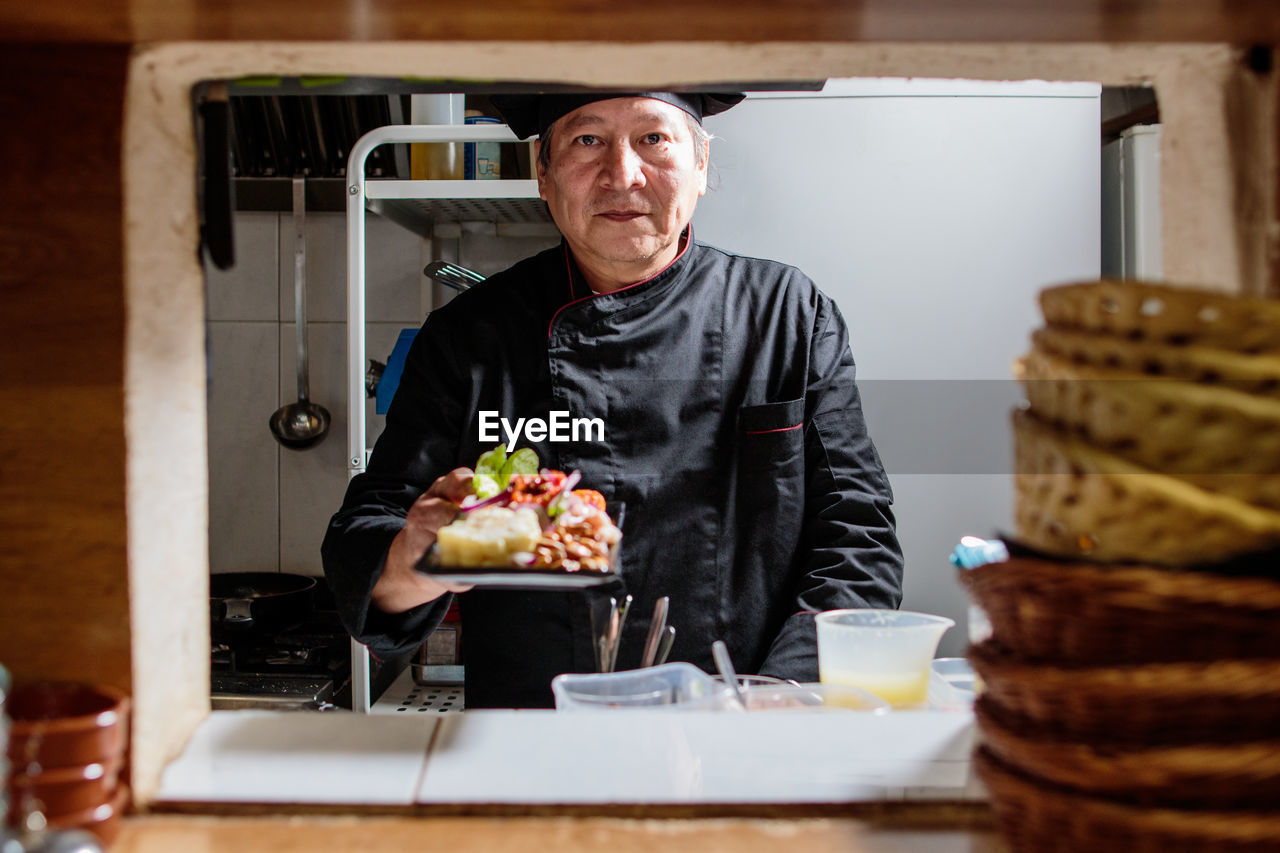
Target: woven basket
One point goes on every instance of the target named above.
(1076, 501)
(1083, 614)
(1249, 374)
(1173, 315)
(1195, 776)
(1224, 701)
(1213, 436)
(1038, 818)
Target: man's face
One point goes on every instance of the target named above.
(623, 180)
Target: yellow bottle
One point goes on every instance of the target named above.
(436, 161)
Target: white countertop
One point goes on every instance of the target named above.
(549, 757)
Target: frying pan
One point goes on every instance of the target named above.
(258, 604)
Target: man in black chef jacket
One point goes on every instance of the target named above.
(734, 435)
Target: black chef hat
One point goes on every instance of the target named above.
(533, 113)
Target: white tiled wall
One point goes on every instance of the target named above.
(243, 472)
(268, 505)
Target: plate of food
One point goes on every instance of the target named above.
(527, 527)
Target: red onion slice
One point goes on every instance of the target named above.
(566, 487)
(502, 498)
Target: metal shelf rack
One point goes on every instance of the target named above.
(430, 209)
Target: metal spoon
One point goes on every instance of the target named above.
(720, 652)
(603, 614)
(657, 625)
(665, 644)
(300, 424)
(615, 631)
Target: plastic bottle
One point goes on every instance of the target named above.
(436, 161)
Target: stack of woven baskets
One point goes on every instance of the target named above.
(1132, 676)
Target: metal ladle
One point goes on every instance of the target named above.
(300, 424)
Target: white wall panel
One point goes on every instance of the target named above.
(244, 530)
(247, 291)
(269, 506)
(313, 480)
(932, 211)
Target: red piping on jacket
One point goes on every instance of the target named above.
(767, 431)
(568, 269)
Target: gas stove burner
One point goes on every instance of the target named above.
(307, 667)
(232, 692)
(296, 657)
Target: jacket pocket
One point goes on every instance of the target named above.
(771, 418)
(770, 435)
(770, 459)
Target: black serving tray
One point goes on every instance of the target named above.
(496, 577)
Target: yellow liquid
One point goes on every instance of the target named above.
(436, 161)
(907, 688)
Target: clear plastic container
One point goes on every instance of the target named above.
(951, 684)
(810, 697)
(887, 652)
(746, 681)
(672, 686)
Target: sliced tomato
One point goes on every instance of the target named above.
(591, 497)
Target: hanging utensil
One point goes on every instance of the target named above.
(301, 424)
(452, 275)
(217, 190)
(720, 653)
(657, 625)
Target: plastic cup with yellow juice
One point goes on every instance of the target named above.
(886, 652)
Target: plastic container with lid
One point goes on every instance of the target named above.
(672, 686)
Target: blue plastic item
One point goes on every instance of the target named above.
(390, 380)
(482, 160)
(973, 552)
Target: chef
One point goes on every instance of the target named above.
(734, 446)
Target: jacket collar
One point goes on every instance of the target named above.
(578, 292)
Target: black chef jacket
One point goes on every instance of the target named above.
(734, 449)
